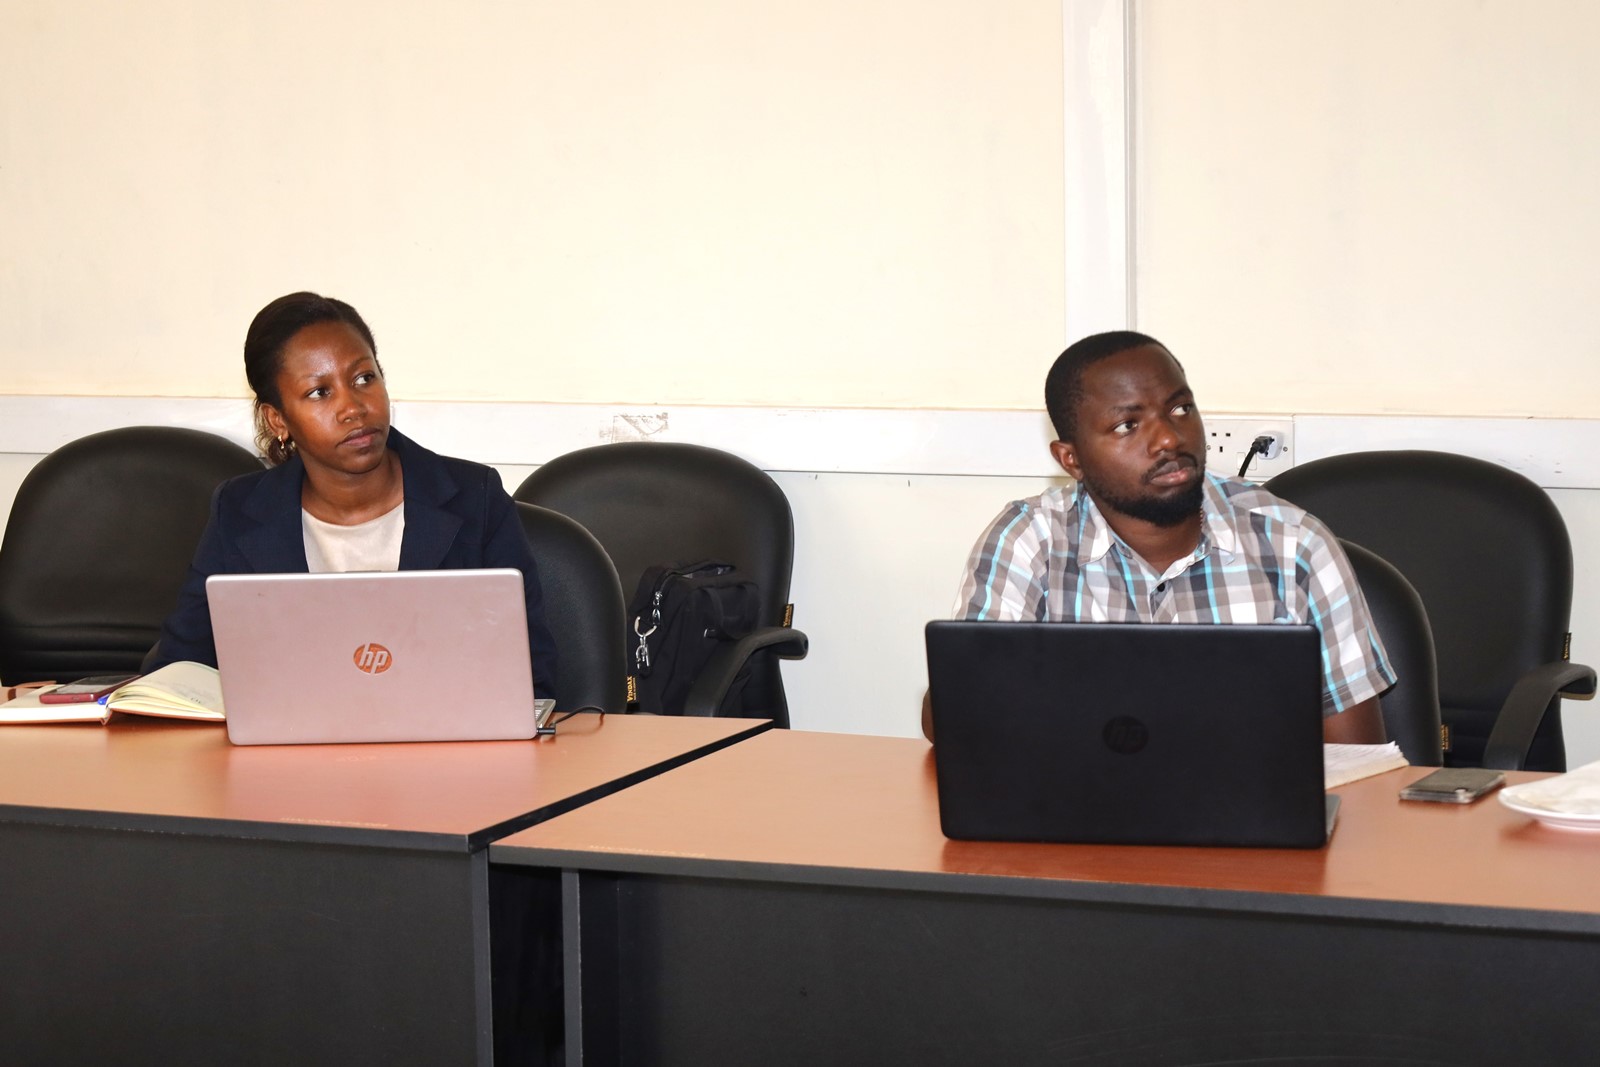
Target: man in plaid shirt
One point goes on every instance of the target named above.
(1146, 535)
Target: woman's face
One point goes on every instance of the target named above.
(335, 406)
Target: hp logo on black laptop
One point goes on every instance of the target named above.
(1125, 734)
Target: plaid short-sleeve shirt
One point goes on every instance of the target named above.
(1260, 559)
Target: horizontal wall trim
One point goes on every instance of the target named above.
(1556, 453)
(900, 441)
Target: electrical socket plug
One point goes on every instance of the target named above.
(1229, 438)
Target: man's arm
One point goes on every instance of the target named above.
(1004, 578)
(1356, 670)
(1359, 724)
(1007, 569)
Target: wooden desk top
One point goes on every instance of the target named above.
(146, 773)
(841, 809)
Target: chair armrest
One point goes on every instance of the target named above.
(718, 674)
(1524, 708)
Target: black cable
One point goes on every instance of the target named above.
(1258, 447)
(549, 728)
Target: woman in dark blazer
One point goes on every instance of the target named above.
(345, 491)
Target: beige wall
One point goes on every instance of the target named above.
(1373, 205)
(1341, 205)
(834, 202)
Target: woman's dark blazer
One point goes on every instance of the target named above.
(458, 515)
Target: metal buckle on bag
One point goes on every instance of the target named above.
(641, 655)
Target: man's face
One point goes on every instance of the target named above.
(1140, 445)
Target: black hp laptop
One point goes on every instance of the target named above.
(1129, 734)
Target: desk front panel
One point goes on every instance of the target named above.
(680, 970)
(792, 899)
(167, 897)
(168, 948)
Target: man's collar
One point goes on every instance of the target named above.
(1215, 529)
(1096, 536)
(1216, 532)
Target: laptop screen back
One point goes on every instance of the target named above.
(373, 656)
(1128, 733)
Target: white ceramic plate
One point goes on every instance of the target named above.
(1557, 819)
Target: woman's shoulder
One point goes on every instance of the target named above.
(235, 491)
(436, 475)
(261, 498)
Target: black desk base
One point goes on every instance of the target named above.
(163, 948)
(691, 970)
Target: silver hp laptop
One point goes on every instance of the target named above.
(1128, 734)
(370, 656)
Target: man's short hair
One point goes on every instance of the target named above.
(1063, 386)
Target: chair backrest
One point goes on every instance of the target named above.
(1487, 551)
(99, 540)
(651, 502)
(1411, 706)
(583, 607)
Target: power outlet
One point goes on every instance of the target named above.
(1229, 437)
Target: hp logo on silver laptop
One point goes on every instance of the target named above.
(373, 658)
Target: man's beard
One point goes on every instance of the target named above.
(1163, 511)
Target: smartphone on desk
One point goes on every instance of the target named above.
(1454, 785)
(85, 690)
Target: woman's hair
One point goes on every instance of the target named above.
(270, 332)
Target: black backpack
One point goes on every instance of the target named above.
(680, 616)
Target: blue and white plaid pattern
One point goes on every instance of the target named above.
(1260, 560)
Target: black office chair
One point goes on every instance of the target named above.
(655, 503)
(98, 543)
(584, 608)
(1489, 554)
(1411, 706)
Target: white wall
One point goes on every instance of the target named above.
(1339, 205)
(835, 202)
(1373, 206)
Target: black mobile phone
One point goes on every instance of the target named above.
(1454, 785)
(84, 690)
